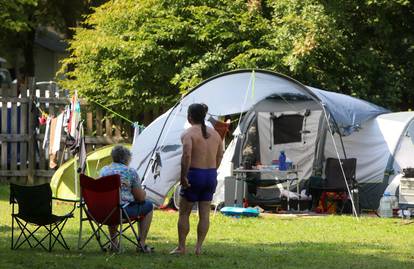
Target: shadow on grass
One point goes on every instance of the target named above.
(216, 255)
(4, 191)
(5, 228)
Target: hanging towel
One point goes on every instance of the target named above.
(58, 134)
(82, 149)
(52, 129)
(46, 139)
(75, 116)
(55, 137)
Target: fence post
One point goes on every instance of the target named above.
(13, 156)
(31, 143)
(24, 113)
(4, 144)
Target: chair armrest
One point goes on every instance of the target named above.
(69, 215)
(65, 200)
(123, 206)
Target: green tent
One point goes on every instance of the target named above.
(65, 181)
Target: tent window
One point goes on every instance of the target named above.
(287, 129)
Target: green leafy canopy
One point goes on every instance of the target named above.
(138, 55)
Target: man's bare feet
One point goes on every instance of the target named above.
(177, 251)
(197, 251)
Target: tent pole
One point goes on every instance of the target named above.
(355, 213)
(159, 137)
(340, 137)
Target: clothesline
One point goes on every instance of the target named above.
(135, 124)
(69, 121)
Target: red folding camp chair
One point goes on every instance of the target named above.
(101, 202)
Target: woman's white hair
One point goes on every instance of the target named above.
(121, 154)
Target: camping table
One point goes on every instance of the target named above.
(280, 177)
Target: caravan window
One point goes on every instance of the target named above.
(287, 129)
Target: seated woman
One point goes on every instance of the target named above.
(132, 193)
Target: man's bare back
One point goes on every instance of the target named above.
(202, 153)
(205, 153)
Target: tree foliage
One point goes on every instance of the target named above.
(12, 15)
(20, 19)
(135, 55)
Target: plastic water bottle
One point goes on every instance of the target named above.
(394, 205)
(406, 214)
(282, 161)
(385, 208)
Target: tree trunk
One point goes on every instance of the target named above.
(28, 50)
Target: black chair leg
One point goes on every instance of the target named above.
(316, 196)
(12, 232)
(59, 228)
(31, 234)
(22, 232)
(50, 237)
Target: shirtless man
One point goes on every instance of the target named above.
(202, 154)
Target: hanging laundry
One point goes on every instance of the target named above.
(52, 157)
(42, 119)
(46, 139)
(137, 130)
(55, 137)
(58, 133)
(82, 149)
(74, 126)
(77, 119)
(66, 119)
(76, 145)
(75, 115)
(71, 110)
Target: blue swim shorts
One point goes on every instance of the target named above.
(203, 185)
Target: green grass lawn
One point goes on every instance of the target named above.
(266, 242)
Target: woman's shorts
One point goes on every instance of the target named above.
(136, 209)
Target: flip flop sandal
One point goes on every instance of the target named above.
(145, 249)
(111, 248)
